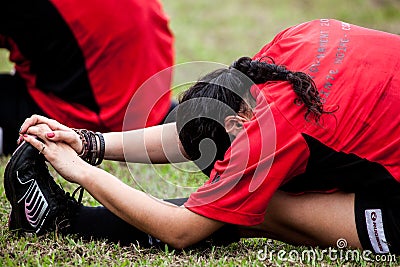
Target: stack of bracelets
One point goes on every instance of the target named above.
(93, 146)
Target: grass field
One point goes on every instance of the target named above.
(218, 31)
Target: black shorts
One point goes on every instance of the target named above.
(377, 195)
(377, 215)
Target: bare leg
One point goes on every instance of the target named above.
(309, 219)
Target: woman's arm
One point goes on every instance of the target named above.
(158, 144)
(174, 225)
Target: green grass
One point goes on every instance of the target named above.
(223, 30)
(218, 31)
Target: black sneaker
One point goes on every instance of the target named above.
(38, 204)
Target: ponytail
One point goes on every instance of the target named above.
(303, 85)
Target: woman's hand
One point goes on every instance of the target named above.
(48, 129)
(60, 155)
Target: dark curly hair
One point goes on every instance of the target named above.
(205, 105)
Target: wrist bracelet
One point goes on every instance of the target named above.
(93, 146)
(102, 148)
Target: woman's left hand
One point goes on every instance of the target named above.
(60, 155)
(52, 130)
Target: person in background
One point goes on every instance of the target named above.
(81, 63)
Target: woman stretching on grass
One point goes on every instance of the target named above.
(308, 156)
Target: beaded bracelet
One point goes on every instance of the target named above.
(93, 146)
(102, 148)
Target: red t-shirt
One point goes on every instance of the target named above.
(83, 61)
(355, 70)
